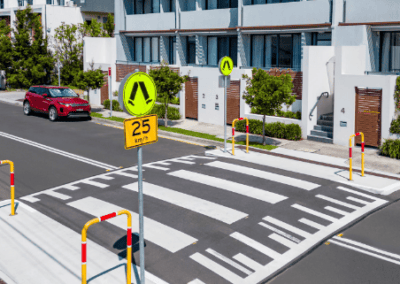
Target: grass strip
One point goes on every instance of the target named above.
(193, 133)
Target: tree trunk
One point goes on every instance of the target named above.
(88, 96)
(263, 130)
(166, 113)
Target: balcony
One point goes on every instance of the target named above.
(369, 11)
(150, 22)
(210, 19)
(285, 14)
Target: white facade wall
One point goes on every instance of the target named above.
(364, 11)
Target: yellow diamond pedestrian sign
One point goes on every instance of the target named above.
(140, 94)
(226, 65)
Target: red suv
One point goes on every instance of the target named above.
(56, 101)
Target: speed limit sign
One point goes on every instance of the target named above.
(141, 131)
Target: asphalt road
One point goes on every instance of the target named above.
(209, 219)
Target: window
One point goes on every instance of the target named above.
(272, 1)
(141, 7)
(191, 50)
(29, 2)
(1, 4)
(389, 52)
(49, 2)
(220, 4)
(104, 20)
(280, 51)
(324, 39)
(146, 49)
(172, 50)
(20, 2)
(61, 2)
(218, 47)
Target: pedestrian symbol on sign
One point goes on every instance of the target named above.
(226, 65)
(144, 91)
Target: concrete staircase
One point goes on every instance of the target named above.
(323, 131)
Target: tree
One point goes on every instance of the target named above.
(31, 60)
(91, 79)
(5, 46)
(108, 27)
(68, 46)
(168, 83)
(94, 29)
(265, 93)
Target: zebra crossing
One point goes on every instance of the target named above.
(216, 220)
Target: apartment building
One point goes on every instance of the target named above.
(275, 35)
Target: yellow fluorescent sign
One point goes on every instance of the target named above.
(140, 131)
(226, 66)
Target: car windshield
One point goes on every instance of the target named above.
(58, 93)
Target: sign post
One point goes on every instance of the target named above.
(139, 97)
(225, 67)
(110, 89)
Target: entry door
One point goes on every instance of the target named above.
(233, 102)
(368, 115)
(191, 98)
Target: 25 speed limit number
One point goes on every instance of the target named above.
(140, 131)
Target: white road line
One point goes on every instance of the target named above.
(151, 166)
(296, 240)
(207, 208)
(282, 240)
(367, 247)
(315, 213)
(71, 187)
(181, 161)
(337, 201)
(286, 226)
(216, 268)
(57, 195)
(126, 174)
(95, 183)
(311, 223)
(265, 175)
(238, 188)
(364, 251)
(255, 245)
(357, 200)
(59, 152)
(338, 211)
(358, 193)
(105, 177)
(196, 281)
(248, 261)
(228, 261)
(155, 232)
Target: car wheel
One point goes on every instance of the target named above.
(27, 108)
(53, 114)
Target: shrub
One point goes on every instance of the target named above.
(174, 101)
(275, 129)
(391, 148)
(115, 105)
(173, 113)
(298, 115)
(395, 126)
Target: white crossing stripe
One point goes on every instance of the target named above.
(57, 195)
(265, 175)
(315, 213)
(364, 251)
(286, 226)
(207, 208)
(229, 261)
(105, 177)
(125, 174)
(196, 281)
(357, 200)
(282, 240)
(155, 232)
(71, 187)
(358, 193)
(182, 161)
(337, 201)
(95, 183)
(255, 245)
(151, 166)
(338, 211)
(216, 268)
(296, 240)
(248, 261)
(238, 188)
(367, 247)
(311, 223)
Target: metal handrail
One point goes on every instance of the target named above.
(319, 98)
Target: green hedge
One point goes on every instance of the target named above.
(287, 114)
(174, 101)
(395, 126)
(275, 129)
(391, 148)
(173, 112)
(115, 105)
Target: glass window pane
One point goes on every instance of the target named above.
(223, 47)
(274, 49)
(258, 51)
(139, 7)
(395, 52)
(138, 49)
(212, 51)
(154, 51)
(156, 6)
(385, 52)
(296, 52)
(147, 6)
(233, 49)
(268, 52)
(191, 50)
(285, 51)
(234, 3)
(146, 49)
(222, 4)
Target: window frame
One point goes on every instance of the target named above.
(151, 50)
(230, 37)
